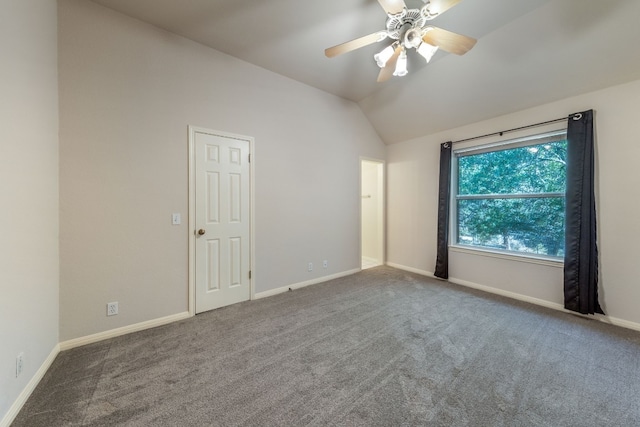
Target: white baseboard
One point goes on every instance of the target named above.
(509, 294)
(77, 342)
(31, 385)
(299, 285)
(412, 270)
(544, 303)
(537, 301)
(616, 321)
(90, 339)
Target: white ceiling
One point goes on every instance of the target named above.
(529, 52)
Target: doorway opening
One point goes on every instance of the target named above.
(372, 213)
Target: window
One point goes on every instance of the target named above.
(510, 196)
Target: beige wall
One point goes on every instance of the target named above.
(28, 190)
(128, 91)
(412, 209)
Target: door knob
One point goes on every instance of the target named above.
(201, 231)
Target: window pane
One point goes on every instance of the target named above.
(524, 225)
(532, 169)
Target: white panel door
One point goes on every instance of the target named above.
(222, 249)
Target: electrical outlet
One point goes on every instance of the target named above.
(19, 364)
(325, 264)
(112, 308)
(310, 266)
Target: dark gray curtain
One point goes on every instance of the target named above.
(444, 193)
(581, 250)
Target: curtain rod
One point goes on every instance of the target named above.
(511, 130)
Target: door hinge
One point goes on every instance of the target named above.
(249, 158)
(249, 274)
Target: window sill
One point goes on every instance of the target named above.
(530, 259)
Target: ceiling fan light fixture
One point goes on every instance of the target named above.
(427, 51)
(382, 57)
(401, 65)
(413, 37)
(427, 12)
(408, 29)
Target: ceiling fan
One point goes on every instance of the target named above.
(408, 28)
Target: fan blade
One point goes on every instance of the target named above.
(355, 44)
(438, 7)
(390, 66)
(446, 40)
(392, 6)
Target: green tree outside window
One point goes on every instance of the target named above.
(513, 199)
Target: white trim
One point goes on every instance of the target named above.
(536, 301)
(617, 322)
(252, 217)
(192, 220)
(413, 270)
(192, 210)
(17, 405)
(605, 319)
(519, 257)
(100, 336)
(508, 294)
(283, 289)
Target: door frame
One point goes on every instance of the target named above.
(192, 226)
(383, 231)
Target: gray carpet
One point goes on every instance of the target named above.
(381, 347)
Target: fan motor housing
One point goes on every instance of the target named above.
(398, 24)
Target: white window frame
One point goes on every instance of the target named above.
(525, 141)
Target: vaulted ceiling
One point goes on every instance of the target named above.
(529, 52)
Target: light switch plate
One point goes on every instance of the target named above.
(175, 219)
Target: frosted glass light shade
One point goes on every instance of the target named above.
(401, 65)
(382, 57)
(427, 51)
